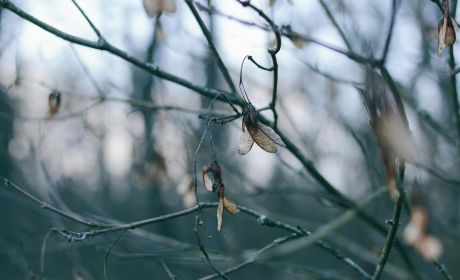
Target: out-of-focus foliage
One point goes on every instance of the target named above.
(71, 135)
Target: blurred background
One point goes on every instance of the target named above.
(107, 160)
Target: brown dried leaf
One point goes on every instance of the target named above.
(246, 143)
(231, 207)
(207, 182)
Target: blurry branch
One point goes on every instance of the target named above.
(438, 175)
(42, 254)
(197, 222)
(63, 118)
(209, 38)
(107, 254)
(323, 230)
(438, 2)
(442, 269)
(273, 26)
(394, 224)
(157, 71)
(254, 257)
(306, 273)
(337, 26)
(428, 119)
(105, 46)
(46, 206)
(85, 69)
(262, 219)
(287, 32)
(327, 76)
(172, 276)
(99, 35)
(390, 32)
(453, 78)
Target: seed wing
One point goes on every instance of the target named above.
(450, 33)
(220, 212)
(454, 23)
(441, 35)
(271, 134)
(246, 143)
(231, 207)
(262, 140)
(207, 182)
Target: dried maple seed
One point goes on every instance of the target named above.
(226, 203)
(213, 167)
(152, 7)
(446, 32)
(253, 131)
(54, 101)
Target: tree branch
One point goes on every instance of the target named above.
(209, 38)
(392, 232)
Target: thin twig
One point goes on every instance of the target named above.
(105, 46)
(172, 276)
(453, 78)
(437, 174)
(394, 224)
(442, 269)
(390, 32)
(337, 26)
(254, 257)
(107, 254)
(275, 87)
(208, 35)
(99, 35)
(46, 206)
(270, 22)
(42, 255)
(197, 219)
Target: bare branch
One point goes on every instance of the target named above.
(210, 40)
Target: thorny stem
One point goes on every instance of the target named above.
(392, 232)
(209, 38)
(107, 253)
